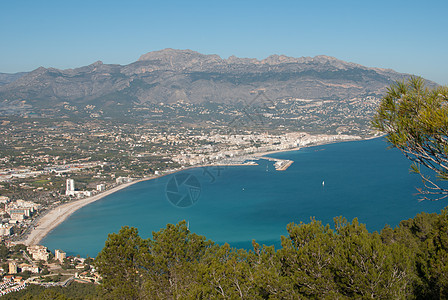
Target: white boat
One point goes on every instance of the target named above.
(323, 183)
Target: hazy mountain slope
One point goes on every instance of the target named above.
(6, 78)
(171, 75)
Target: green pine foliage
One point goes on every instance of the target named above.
(315, 262)
(415, 119)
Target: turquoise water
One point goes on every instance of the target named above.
(237, 204)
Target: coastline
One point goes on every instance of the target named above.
(54, 217)
(45, 224)
(48, 222)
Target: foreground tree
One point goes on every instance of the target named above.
(315, 262)
(307, 256)
(120, 264)
(365, 267)
(415, 120)
(172, 261)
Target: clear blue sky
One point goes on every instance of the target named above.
(407, 36)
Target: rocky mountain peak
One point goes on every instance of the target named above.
(171, 75)
(333, 61)
(97, 63)
(175, 57)
(279, 59)
(238, 60)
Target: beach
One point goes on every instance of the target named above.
(59, 214)
(45, 224)
(257, 202)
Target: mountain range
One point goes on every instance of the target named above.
(170, 75)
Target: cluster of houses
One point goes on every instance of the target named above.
(70, 189)
(11, 284)
(8, 174)
(21, 209)
(121, 180)
(37, 253)
(18, 211)
(243, 144)
(14, 282)
(15, 268)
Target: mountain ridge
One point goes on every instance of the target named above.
(6, 78)
(171, 75)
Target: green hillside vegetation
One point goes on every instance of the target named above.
(415, 119)
(314, 262)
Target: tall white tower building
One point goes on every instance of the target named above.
(70, 190)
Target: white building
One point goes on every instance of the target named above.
(26, 204)
(38, 252)
(19, 214)
(5, 230)
(121, 180)
(21, 209)
(100, 187)
(27, 267)
(70, 189)
(60, 255)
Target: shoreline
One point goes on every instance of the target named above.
(54, 217)
(57, 215)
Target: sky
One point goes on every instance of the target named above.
(406, 36)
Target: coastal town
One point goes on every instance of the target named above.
(25, 223)
(50, 167)
(25, 265)
(51, 185)
(223, 150)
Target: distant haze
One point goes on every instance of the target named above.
(407, 36)
(171, 75)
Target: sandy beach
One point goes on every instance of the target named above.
(60, 213)
(45, 224)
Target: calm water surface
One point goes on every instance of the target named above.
(237, 204)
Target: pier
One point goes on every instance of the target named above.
(283, 165)
(280, 164)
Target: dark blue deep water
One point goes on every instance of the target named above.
(237, 204)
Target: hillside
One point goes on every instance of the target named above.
(6, 78)
(173, 75)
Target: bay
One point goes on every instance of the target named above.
(237, 204)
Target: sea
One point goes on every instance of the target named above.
(238, 204)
